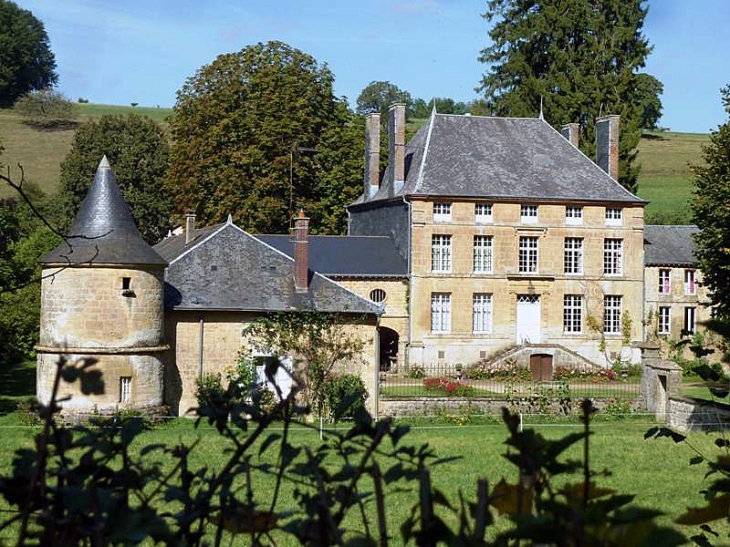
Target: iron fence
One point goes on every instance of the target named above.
(509, 383)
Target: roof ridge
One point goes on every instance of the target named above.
(425, 149)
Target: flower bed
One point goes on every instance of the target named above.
(504, 372)
(455, 388)
(595, 374)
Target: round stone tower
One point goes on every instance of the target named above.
(102, 298)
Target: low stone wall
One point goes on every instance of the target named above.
(687, 414)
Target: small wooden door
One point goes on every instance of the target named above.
(541, 367)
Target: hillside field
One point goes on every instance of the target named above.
(665, 180)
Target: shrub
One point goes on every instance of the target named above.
(453, 388)
(416, 372)
(209, 389)
(345, 389)
(46, 109)
(587, 374)
(509, 370)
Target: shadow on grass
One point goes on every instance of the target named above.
(653, 137)
(17, 383)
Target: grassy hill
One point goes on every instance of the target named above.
(665, 178)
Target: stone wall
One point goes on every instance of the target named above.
(686, 414)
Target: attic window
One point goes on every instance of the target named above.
(377, 295)
(483, 212)
(613, 216)
(213, 268)
(442, 212)
(573, 215)
(528, 214)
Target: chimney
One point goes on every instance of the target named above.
(301, 253)
(189, 226)
(571, 131)
(372, 154)
(607, 144)
(397, 144)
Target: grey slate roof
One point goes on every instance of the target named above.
(230, 269)
(172, 247)
(669, 245)
(109, 234)
(499, 158)
(347, 256)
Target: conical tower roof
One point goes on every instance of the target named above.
(103, 231)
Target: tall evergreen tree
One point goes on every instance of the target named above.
(579, 56)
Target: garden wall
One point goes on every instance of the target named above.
(687, 414)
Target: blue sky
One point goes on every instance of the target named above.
(142, 51)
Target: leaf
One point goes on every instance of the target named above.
(696, 460)
(717, 508)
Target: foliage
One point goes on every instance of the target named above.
(540, 397)
(626, 323)
(26, 60)
(46, 109)
(258, 134)
(648, 90)
(416, 372)
(137, 150)
(345, 396)
(617, 410)
(319, 344)
(725, 94)
(578, 58)
(508, 370)
(712, 216)
(209, 388)
(444, 105)
(584, 374)
(451, 388)
(377, 96)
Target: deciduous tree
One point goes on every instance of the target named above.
(46, 109)
(579, 57)
(377, 96)
(137, 149)
(26, 60)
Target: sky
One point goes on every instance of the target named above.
(119, 52)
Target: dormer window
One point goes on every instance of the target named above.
(574, 216)
(442, 212)
(528, 214)
(483, 213)
(613, 216)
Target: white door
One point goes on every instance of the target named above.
(528, 319)
(282, 378)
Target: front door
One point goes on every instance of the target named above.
(528, 319)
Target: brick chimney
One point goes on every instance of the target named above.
(607, 144)
(189, 226)
(301, 253)
(372, 154)
(571, 131)
(397, 144)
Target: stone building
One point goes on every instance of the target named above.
(511, 235)
(675, 299)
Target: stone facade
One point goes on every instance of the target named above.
(505, 283)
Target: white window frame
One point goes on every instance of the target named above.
(440, 312)
(614, 216)
(528, 213)
(483, 254)
(664, 320)
(572, 314)
(573, 215)
(573, 256)
(483, 213)
(665, 281)
(612, 310)
(440, 253)
(529, 254)
(442, 211)
(125, 389)
(613, 259)
(690, 282)
(690, 319)
(482, 313)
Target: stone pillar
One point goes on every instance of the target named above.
(301, 253)
(661, 379)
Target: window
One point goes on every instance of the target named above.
(440, 312)
(126, 283)
(690, 287)
(572, 314)
(377, 295)
(528, 214)
(440, 253)
(483, 212)
(125, 389)
(528, 254)
(482, 254)
(442, 212)
(690, 322)
(612, 314)
(613, 216)
(612, 256)
(573, 255)
(664, 319)
(574, 215)
(482, 313)
(665, 281)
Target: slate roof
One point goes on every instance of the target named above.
(229, 269)
(669, 245)
(347, 256)
(109, 234)
(499, 158)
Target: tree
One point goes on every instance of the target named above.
(711, 212)
(255, 133)
(137, 149)
(46, 109)
(377, 96)
(579, 57)
(725, 93)
(648, 90)
(26, 60)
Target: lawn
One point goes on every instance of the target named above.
(17, 384)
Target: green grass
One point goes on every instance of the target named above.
(17, 384)
(93, 110)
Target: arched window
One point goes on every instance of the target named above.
(377, 295)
